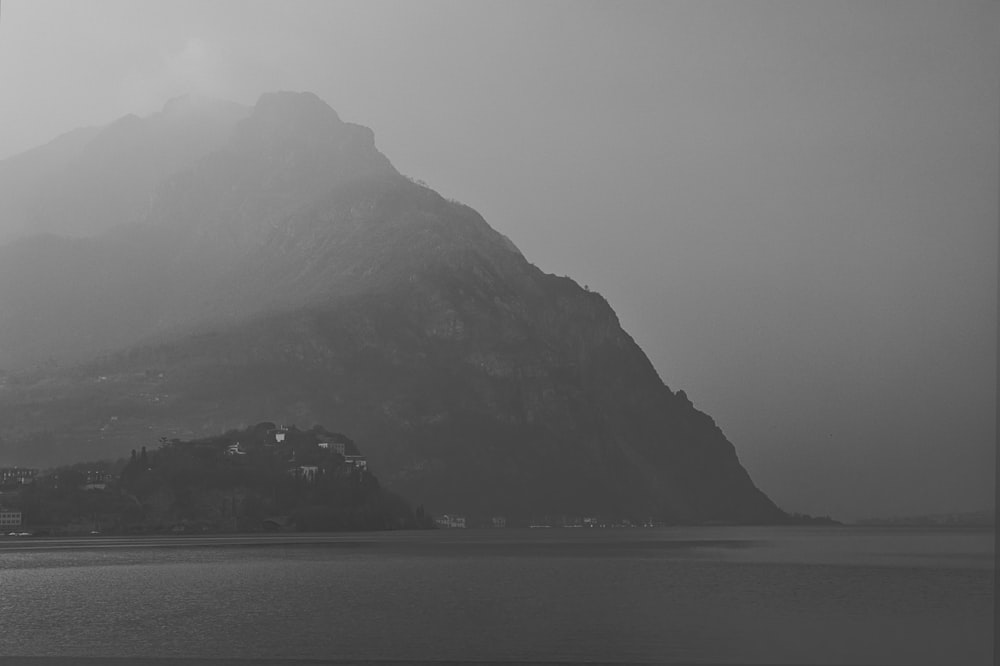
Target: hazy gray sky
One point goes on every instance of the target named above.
(792, 206)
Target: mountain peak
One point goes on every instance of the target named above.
(297, 122)
(299, 107)
(303, 146)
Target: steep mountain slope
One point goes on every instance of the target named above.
(294, 275)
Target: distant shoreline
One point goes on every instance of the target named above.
(358, 539)
(174, 541)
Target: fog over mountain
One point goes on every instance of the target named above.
(293, 274)
(92, 178)
(791, 208)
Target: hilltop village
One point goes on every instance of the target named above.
(266, 477)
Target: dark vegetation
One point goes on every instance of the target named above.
(265, 477)
(806, 519)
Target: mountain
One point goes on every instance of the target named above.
(292, 274)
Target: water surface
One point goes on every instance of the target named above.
(739, 595)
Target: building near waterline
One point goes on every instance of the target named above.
(9, 518)
(450, 522)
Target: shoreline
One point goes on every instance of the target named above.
(706, 535)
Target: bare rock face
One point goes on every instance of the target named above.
(293, 275)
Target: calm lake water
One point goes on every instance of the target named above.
(740, 595)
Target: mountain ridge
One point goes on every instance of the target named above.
(99, 177)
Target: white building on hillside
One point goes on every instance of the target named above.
(358, 462)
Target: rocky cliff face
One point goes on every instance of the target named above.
(294, 275)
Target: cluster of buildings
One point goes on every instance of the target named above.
(448, 521)
(17, 476)
(97, 479)
(280, 435)
(310, 472)
(9, 518)
(13, 478)
(314, 448)
(336, 447)
(451, 521)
